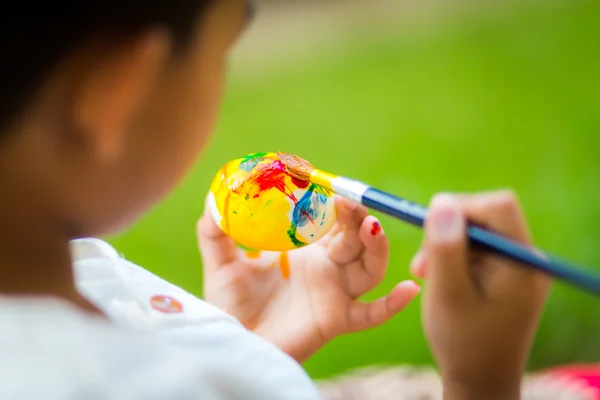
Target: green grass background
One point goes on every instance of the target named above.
(507, 100)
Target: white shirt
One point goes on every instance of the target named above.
(161, 343)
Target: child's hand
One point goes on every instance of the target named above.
(480, 311)
(320, 299)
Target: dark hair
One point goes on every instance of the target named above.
(34, 38)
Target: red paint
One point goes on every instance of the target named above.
(300, 183)
(308, 217)
(271, 176)
(376, 228)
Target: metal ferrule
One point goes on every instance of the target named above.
(349, 188)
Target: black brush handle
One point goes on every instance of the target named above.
(416, 214)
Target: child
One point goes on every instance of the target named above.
(104, 107)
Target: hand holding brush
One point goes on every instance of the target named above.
(416, 214)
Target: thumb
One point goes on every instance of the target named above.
(366, 315)
(216, 248)
(447, 248)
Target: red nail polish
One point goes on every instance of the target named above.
(376, 228)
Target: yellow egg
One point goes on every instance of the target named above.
(262, 207)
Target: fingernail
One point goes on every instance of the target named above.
(410, 283)
(416, 258)
(376, 228)
(445, 223)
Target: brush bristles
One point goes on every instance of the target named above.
(298, 167)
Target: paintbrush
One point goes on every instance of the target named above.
(416, 214)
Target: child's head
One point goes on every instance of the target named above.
(105, 104)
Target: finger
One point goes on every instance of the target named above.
(376, 249)
(364, 274)
(216, 248)
(349, 213)
(363, 315)
(340, 203)
(346, 245)
(325, 240)
(446, 247)
(418, 265)
(499, 211)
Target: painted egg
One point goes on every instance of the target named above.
(262, 207)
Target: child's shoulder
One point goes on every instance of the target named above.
(134, 296)
(233, 358)
(53, 350)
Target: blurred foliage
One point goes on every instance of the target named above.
(507, 100)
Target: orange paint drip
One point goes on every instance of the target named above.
(253, 254)
(284, 264)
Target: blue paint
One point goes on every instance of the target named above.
(303, 211)
(250, 161)
(307, 210)
(309, 207)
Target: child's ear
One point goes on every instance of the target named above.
(114, 88)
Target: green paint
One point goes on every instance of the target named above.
(245, 248)
(253, 156)
(250, 161)
(292, 235)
